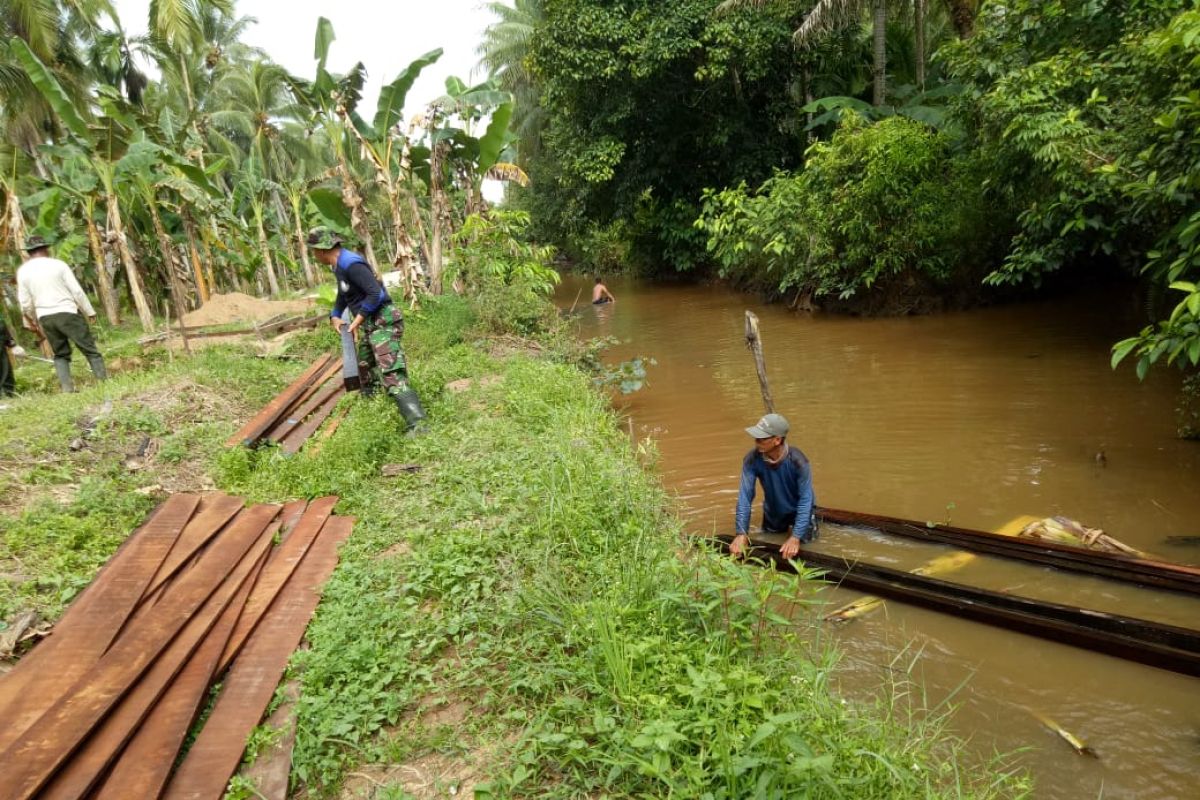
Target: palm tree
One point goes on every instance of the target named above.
(828, 16)
(505, 53)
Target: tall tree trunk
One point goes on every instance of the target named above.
(265, 248)
(919, 40)
(108, 297)
(178, 292)
(16, 222)
(413, 208)
(879, 69)
(189, 228)
(209, 262)
(116, 229)
(437, 195)
(962, 16)
(358, 211)
(310, 277)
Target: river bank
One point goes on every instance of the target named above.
(971, 419)
(517, 614)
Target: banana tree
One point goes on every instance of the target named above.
(450, 144)
(103, 144)
(330, 100)
(379, 142)
(253, 189)
(73, 174)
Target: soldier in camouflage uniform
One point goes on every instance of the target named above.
(382, 324)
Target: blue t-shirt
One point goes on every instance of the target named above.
(357, 288)
(788, 500)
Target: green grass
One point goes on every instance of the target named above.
(524, 609)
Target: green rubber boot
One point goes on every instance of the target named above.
(410, 408)
(62, 367)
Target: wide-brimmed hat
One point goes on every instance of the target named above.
(36, 243)
(768, 426)
(324, 238)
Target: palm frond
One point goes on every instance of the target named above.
(826, 17)
(508, 172)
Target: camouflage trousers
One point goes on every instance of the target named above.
(380, 354)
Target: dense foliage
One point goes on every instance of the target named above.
(1072, 123)
(1092, 110)
(884, 207)
(647, 104)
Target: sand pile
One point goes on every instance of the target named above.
(222, 309)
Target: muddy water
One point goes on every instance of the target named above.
(971, 419)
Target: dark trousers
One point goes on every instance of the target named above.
(63, 330)
(8, 383)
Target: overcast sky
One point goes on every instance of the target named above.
(385, 36)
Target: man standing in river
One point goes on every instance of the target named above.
(601, 294)
(786, 478)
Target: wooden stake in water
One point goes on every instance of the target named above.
(754, 342)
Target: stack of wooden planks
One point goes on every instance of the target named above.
(206, 590)
(298, 411)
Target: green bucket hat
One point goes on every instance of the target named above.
(324, 238)
(37, 243)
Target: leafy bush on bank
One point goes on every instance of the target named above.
(886, 206)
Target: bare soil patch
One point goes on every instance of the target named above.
(222, 309)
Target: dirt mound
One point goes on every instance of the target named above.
(222, 309)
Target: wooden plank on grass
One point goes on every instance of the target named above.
(215, 511)
(271, 772)
(144, 765)
(252, 679)
(265, 419)
(85, 768)
(319, 393)
(296, 438)
(283, 563)
(92, 622)
(53, 737)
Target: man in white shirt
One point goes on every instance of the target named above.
(52, 300)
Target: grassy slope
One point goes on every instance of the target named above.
(520, 614)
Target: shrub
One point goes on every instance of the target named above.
(882, 204)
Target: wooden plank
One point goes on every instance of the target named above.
(142, 768)
(251, 681)
(253, 430)
(283, 563)
(291, 515)
(85, 768)
(308, 403)
(92, 622)
(214, 513)
(296, 438)
(271, 772)
(329, 430)
(55, 735)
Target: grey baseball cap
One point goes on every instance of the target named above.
(768, 426)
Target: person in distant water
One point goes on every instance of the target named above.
(8, 384)
(601, 294)
(381, 321)
(53, 301)
(786, 477)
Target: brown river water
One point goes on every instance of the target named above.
(971, 419)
